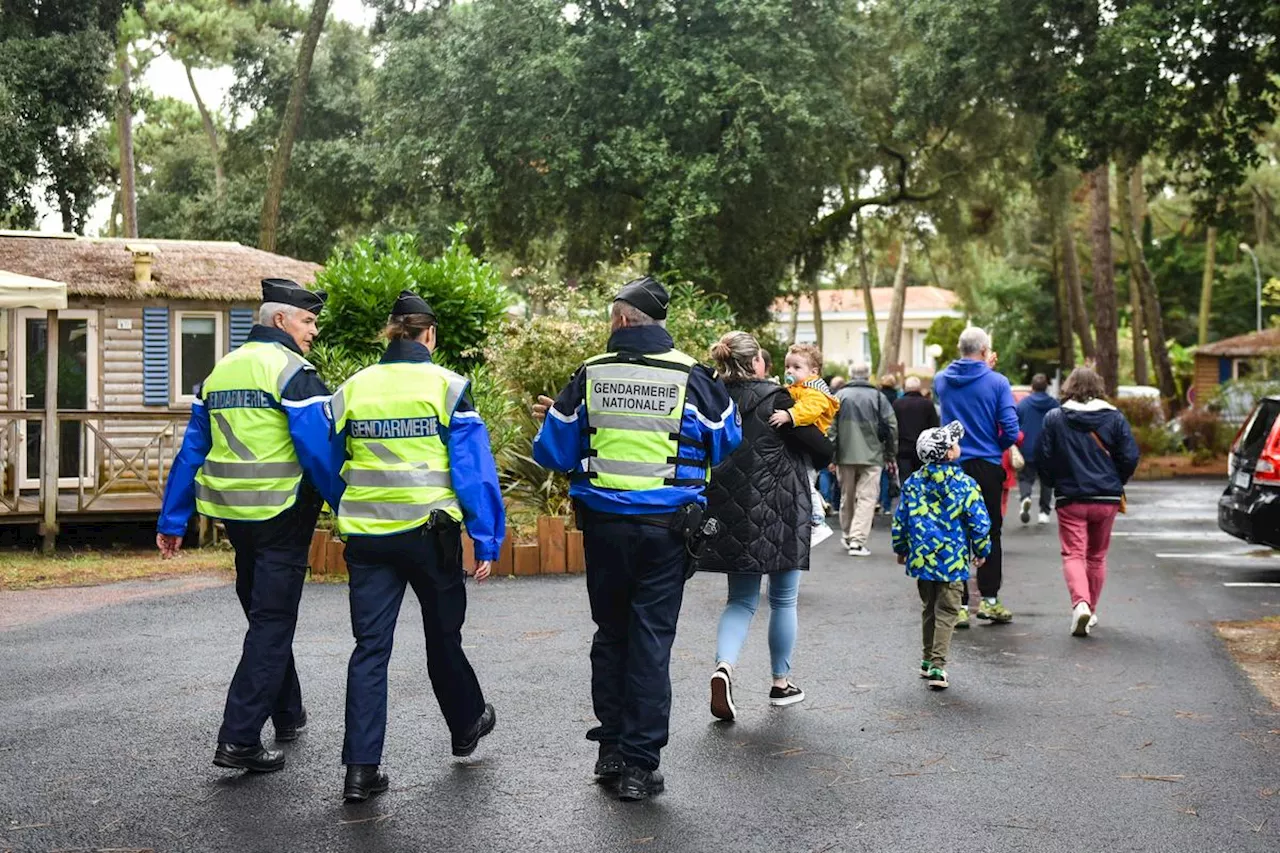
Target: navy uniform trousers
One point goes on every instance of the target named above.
(635, 581)
(271, 566)
(381, 567)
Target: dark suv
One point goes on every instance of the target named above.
(1250, 507)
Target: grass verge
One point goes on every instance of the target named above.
(26, 570)
(1255, 646)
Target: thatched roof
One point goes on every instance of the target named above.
(181, 269)
(1266, 342)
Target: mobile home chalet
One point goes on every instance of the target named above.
(137, 325)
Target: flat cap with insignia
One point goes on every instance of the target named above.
(647, 295)
(411, 303)
(287, 292)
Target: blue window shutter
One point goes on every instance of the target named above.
(155, 356)
(241, 323)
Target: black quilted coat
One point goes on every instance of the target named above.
(760, 494)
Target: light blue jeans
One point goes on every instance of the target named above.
(744, 597)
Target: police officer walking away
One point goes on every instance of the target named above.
(254, 456)
(638, 429)
(415, 459)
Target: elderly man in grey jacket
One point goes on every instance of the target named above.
(866, 437)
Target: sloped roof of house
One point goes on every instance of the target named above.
(180, 269)
(922, 298)
(1266, 342)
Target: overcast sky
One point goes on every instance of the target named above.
(165, 78)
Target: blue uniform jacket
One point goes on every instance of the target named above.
(303, 403)
(710, 418)
(475, 476)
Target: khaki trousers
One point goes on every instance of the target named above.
(859, 491)
(941, 606)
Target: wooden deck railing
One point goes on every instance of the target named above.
(105, 465)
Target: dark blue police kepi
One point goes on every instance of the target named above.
(287, 292)
(411, 303)
(647, 295)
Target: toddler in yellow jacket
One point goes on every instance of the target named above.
(815, 405)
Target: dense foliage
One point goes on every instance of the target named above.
(363, 282)
(754, 148)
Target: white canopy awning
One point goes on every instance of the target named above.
(23, 291)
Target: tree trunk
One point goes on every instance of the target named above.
(893, 329)
(1062, 303)
(1104, 278)
(1206, 283)
(1261, 217)
(1075, 289)
(211, 134)
(289, 127)
(1124, 190)
(124, 120)
(873, 332)
(817, 315)
(1140, 275)
(795, 317)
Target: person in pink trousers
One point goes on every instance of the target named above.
(1087, 454)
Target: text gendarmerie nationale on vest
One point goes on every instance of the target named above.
(649, 397)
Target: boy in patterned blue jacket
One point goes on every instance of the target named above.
(941, 525)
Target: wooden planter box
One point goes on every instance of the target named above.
(556, 551)
(326, 556)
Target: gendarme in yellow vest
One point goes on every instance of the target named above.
(252, 471)
(397, 471)
(635, 404)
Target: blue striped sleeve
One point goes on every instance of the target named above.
(475, 481)
(715, 413)
(180, 489)
(305, 401)
(558, 446)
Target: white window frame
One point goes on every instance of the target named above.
(219, 342)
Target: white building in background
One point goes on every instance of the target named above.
(844, 324)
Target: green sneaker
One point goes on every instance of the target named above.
(924, 668)
(937, 678)
(995, 611)
(962, 620)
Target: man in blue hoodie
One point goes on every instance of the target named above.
(972, 393)
(1031, 412)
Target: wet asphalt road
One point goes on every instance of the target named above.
(108, 714)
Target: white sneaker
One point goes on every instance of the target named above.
(1080, 616)
(1026, 510)
(845, 542)
(1093, 620)
(859, 551)
(1043, 519)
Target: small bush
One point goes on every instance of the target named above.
(1140, 411)
(1205, 431)
(1155, 440)
(364, 281)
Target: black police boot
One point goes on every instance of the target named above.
(255, 759)
(609, 765)
(639, 784)
(466, 744)
(288, 734)
(363, 781)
